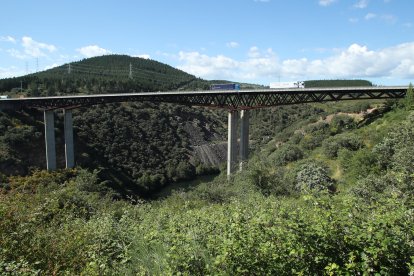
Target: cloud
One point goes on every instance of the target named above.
(388, 18)
(254, 52)
(353, 20)
(8, 39)
(16, 54)
(47, 67)
(326, 3)
(356, 61)
(361, 4)
(93, 51)
(370, 16)
(232, 44)
(10, 72)
(144, 56)
(36, 49)
(262, 1)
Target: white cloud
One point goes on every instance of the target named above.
(356, 61)
(16, 54)
(325, 3)
(232, 44)
(353, 20)
(10, 72)
(361, 4)
(370, 16)
(8, 39)
(93, 51)
(144, 56)
(36, 49)
(52, 66)
(254, 52)
(262, 1)
(388, 18)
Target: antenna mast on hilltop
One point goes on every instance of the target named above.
(130, 71)
(69, 69)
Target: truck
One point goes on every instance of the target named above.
(225, 86)
(282, 85)
(3, 97)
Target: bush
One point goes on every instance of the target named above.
(313, 177)
(287, 153)
(270, 181)
(332, 145)
(340, 123)
(358, 164)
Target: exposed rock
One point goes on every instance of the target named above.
(211, 154)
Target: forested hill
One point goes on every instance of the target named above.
(336, 83)
(104, 74)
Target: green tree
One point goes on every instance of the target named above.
(409, 98)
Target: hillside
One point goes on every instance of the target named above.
(330, 192)
(137, 147)
(104, 74)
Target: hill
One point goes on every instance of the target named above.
(104, 74)
(336, 83)
(138, 147)
(329, 192)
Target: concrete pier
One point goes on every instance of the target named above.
(49, 120)
(232, 142)
(244, 137)
(69, 147)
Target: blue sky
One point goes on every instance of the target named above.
(255, 41)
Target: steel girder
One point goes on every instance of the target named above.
(231, 100)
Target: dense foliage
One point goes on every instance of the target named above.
(328, 190)
(298, 218)
(336, 83)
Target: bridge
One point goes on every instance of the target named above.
(235, 101)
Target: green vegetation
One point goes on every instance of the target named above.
(67, 221)
(279, 219)
(336, 83)
(329, 189)
(105, 74)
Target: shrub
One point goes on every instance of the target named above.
(287, 153)
(270, 181)
(332, 145)
(313, 177)
(340, 123)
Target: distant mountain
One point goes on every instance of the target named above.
(104, 74)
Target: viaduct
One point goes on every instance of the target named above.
(237, 102)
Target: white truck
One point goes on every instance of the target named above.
(292, 84)
(3, 97)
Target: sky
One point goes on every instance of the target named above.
(253, 41)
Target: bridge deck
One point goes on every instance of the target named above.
(234, 99)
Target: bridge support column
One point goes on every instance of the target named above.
(69, 148)
(49, 120)
(232, 142)
(244, 137)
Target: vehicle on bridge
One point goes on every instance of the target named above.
(225, 86)
(282, 85)
(3, 97)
